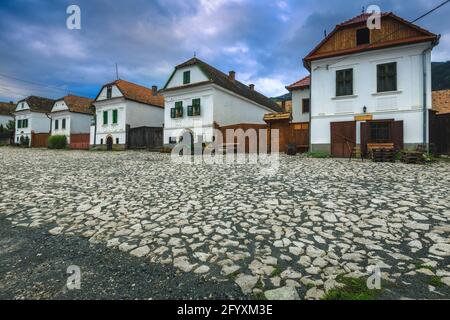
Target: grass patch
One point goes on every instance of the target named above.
(260, 296)
(436, 282)
(233, 276)
(354, 289)
(276, 272)
(318, 155)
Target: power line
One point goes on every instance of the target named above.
(34, 83)
(400, 28)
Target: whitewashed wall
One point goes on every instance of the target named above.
(405, 104)
(115, 130)
(196, 76)
(143, 115)
(37, 122)
(115, 93)
(297, 105)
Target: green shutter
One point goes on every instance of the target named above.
(190, 111)
(172, 113)
(19, 124)
(196, 107)
(186, 77)
(115, 116)
(105, 117)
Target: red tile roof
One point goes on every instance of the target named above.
(301, 84)
(137, 93)
(441, 101)
(7, 108)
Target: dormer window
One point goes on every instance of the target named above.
(362, 36)
(108, 92)
(186, 77)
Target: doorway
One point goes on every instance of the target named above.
(109, 143)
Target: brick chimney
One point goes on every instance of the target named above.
(232, 76)
(154, 90)
(252, 87)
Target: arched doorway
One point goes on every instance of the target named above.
(109, 143)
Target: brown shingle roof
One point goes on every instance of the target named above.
(7, 108)
(39, 104)
(441, 101)
(138, 93)
(301, 84)
(78, 104)
(223, 80)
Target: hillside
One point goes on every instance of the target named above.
(441, 79)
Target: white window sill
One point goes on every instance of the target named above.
(387, 93)
(345, 97)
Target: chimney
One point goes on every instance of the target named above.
(154, 90)
(252, 87)
(232, 76)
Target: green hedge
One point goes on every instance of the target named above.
(318, 155)
(57, 142)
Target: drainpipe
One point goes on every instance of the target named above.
(310, 112)
(425, 97)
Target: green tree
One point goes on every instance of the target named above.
(10, 126)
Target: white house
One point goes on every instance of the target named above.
(32, 115)
(71, 115)
(199, 97)
(300, 100)
(6, 113)
(371, 85)
(121, 105)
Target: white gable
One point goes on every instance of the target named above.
(22, 106)
(115, 93)
(60, 106)
(196, 76)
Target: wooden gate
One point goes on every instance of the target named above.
(343, 138)
(396, 134)
(39, 140)
(440, 133)
(145, 138)
(79, 141)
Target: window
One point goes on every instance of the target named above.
(196, 107)
(56, 124)
(117, 140)
(105, 117)
(186, 77)
(380, 132)
(63, 125)
(362, 36)
(305, 106)
(25, 123)
(115, 116)
(19, 124)
(344, 82)
(101, 141)
(108, 92)
(177, 112)
(387, 77)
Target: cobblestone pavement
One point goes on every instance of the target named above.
(300, 228)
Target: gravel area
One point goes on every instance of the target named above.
(195, 231)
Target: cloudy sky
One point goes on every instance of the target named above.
(262, 40)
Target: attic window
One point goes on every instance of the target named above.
(362, 36)
(109, 92)
(186, 77)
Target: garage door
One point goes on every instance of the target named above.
(343, 138)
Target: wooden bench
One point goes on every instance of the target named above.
(379, 146)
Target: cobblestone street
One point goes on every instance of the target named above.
(295, 231)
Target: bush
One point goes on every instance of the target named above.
(318, 155)
(57, 142)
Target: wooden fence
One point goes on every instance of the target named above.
(79, 141)
(39, 140)
(440, 133)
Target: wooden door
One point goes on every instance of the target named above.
(343, 138)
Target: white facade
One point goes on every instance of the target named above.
(37, 121)
(217, 105)
(132, 113)
(298, 95)
(66, 123)
(404, 104)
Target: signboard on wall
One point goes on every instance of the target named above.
(365, 117)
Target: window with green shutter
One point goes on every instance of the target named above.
(19, 124)
(173, 113)
(190, 111)
(115, 116)
(387, 77)
(186, 77)
(56, 124)
(344, 82)
(63, 123)
(196, 107)
(179, 109)
(105, 117)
